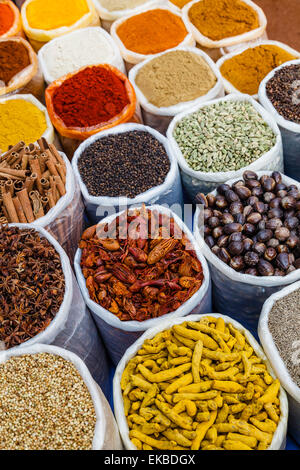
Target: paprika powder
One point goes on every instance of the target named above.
(90, 97)
(14, 57)
(7, 18)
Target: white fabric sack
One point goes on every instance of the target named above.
(293, 391)
(169, 192)
(236, 47)
(279, 438)
(48, 51)
(229, 87)
(72, 328)
(119, 335)
(205, 182)
(106, 435)
(49, 132)
(240, 38)
(290, 131)
(160, 118)
(131, 57)
(241, 295)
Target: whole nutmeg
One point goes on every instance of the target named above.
(217, 213)
(277, 177)
(264, 235)
(235, 248)
(249, 229)
(258, 191)
(249, 175)
(294, 192)
(282, 249)
(273, 224)
(213, 222)
(276, 212)
(243, 192)
(222, 241)
(236, 208)
(247, 244)
(206, 230)
(221, 202)
(292, 241)
(270, 254)
(282, 234)
(237, 263)
(288, 202)
(254, 218)
(265, 268)
(261, 225)
(215, 250)
(207, 214)
(259, 207)
(222, 188)
(209, 241)
(227, 218)
(200, 198)
(279, 272)
(282, 261)
(237, 184)
(210, 200)
(273, 242)
(291, 222)
(275, 203)
(280, 187)
(251, 184)
(259, 248)
(217, 232)
(235, 237)
(267, 183)
(268, 197)
(252, 200)
(251, 258)
(234, 227)
(239, 218)
(231, 196)
(247, 210)
(251, 272)
(282, 193)
(224, 255)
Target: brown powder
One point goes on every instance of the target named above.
(14, 58)
(175, 77)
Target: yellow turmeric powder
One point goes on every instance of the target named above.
(219, 19)
(246, 70)
(55, 14)
(20, 120)
(180, 3)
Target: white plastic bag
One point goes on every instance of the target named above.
(106, 435)
(290, 131)
(48, 53)
(118, 335)
(279, 437)
(170, 192)
(277, 363)
(205, 182)
(72, 328)
(131, 58)
(160, 118)
(241, 295)
(240, 38)
(229, 87)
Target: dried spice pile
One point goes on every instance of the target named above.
(145, 267)
(32, 284)
(283, 90)
(44, 405)
(124, 164)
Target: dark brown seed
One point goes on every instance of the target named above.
(252, 200)
(206, 230)
(297, 263)
(251, 258)
(223, 188)
(254, 218)
(240, 219)
(231, 196)
(222, 241)
(247, 210)
(213, 222)
(210, 200)
(217, 232)
(268, 197)
(236, 208)
(237, 263)
(235, 237)
(279, 272)
(235, 248)
(247, 244)
(276, 212)
(253, 183)
(221, 202)
(282, 249)
(210, 241)
(227, 218)
(275, 203)
(224, 255)
(249, 175)
(277, 177)
(208, 213)
(215, 250)
(249, 229)
(273, 243)
(264, 235)
(282, 261)
(270, 254)
(268, 183)
(282, 234)
(259, 207)
(201, 199)
(288, 202)
(234, 227)
(251, 272)
(265, 268)
(274, 223)
(292, 241)
(258, 192)
(259, 248)
(291, 222)
(243, 192)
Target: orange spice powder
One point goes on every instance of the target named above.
(152, 32)
(6, 18)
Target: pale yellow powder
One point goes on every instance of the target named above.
(20, 120)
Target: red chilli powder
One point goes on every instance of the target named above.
(91, 97)
(6, 18)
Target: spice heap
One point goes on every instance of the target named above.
(175, 77)
(55, 14)
(44, 405)
(253, 225)
(224, 136)
(116, 5)
(76, 50)
(200, 385)
(7, 18)
(180, 3)
(14, 57)
(99, 94)
(283, 92)
(13, 125)
(139, 267)
(32, 180)
(125, 164)
(220, 19)
(284, 323)
(32, 284)
(152, 32)
(246, 70)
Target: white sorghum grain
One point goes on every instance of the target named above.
(44, 405)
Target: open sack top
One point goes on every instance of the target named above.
(16, 27)
(135, 326)
(112, 15)
(280, 433)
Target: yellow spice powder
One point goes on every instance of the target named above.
(47, 15)
(20, 120)
(180, 3)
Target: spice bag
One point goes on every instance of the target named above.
(38, 37)
(71, 137)
(277, 363)
(241, 38)
(108, 17)
(160, 118)
(16, 28)
(106, 434)
(29, 80)
(118, 335)
(229, 87)
(170, 192)
(131, 58)
(49, 134)
(205, 182)
(115, 59)
(279, 437)
(290, 131)
(73, 328)
(241, 295)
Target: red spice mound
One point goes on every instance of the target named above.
(91, 97)
(6, 18)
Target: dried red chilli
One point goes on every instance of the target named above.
(32, 284)
(138, 277)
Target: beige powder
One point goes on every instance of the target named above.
(175, 77)
(115, 5)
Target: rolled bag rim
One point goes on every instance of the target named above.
(16, 27)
